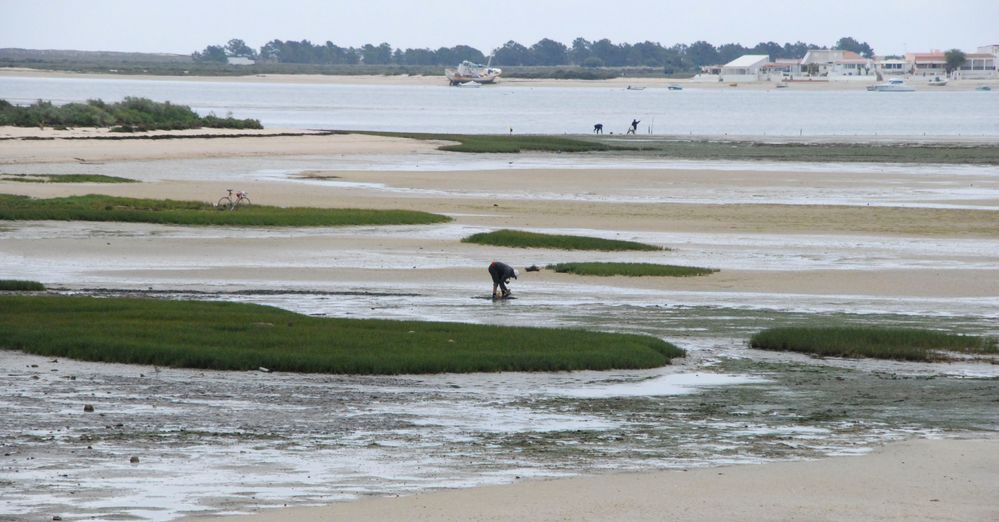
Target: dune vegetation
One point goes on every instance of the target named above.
(129, 115)
(237, 336)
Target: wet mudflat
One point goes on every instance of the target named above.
(213, 442)
(217, 442)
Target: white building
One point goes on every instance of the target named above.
(745, 68)
(834, 63)
(241, 60)
(977, 66)
(892, 66)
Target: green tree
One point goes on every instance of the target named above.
(512, 53)
(730, 51)
(212, 53)
(237, 47)
(580, 51)
(848, 43)
(380, 55)
(549, 52)
(702, 53)
(611, 55)
(955, 58)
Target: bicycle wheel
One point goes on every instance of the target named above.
(242, 202)
(224, 203)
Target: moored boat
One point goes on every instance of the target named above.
(937, 81)
(467, 71)
(892, 85)
(674, 87)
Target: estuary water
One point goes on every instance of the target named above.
(549, 110)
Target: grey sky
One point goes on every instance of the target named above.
(184, 26)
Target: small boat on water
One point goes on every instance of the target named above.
(635, 88)
(468, 71)
(937, 81)
(674, 87)
(892, 85)
(983, 88)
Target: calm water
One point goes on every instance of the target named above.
(549, 110)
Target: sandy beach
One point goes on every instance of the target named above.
(916, 480)
(904, 243)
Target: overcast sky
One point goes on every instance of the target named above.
(184, 26)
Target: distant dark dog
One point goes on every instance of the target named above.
(598, 128)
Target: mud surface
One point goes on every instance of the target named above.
(214, 443)
(217, 442)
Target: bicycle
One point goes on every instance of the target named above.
(231, 201)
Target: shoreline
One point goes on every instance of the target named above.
(919, 479)
(420, 80)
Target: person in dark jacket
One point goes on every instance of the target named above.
(501, 274)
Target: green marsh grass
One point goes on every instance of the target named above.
(522, 239)
(108, 208)
(907, 344)
(65, 178)
(18, 285)
(630, 269)
(237, 336)
(505, 143)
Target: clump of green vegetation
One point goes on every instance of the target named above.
(505, 143)
(129, 115)
(65, 178)
(108, 208)
(908, 344)
(237, 336)
(630, 269)
(18, 285)
(521, 239)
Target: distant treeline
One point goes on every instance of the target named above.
(546, 52)
(128, 115)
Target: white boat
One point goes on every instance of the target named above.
(938, 81)
(467, 71)
(635, 88)
(892, 85)
(469, 84)
(674, 87)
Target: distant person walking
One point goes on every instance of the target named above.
(634, 126)
(501, 274)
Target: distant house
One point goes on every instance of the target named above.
(978, 66)
(241, 60)
(746, 67)
(933, 63)
(783, 68)
(835, 62)
(891, 66)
